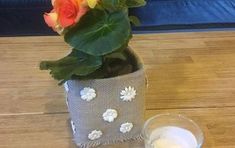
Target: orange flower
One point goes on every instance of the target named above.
(65, 13)
(51, 19)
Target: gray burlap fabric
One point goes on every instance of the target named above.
(87, 115)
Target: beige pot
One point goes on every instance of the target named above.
(106, 111)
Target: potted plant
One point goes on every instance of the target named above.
(103, 78)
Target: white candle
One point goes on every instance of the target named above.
(172, 137)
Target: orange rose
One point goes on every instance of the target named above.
(65, 13)
(69, 11)
(51, 19)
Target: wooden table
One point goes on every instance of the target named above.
(189, 73)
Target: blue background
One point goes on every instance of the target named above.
(24, 17)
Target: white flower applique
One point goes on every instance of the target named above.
(73, 127)
(87, 94)
(126, 127)
(128, 94)
(109, 115)
(95, 134)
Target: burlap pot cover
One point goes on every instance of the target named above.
(106, 111)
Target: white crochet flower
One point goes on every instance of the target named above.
(66, 87)
(128, 94)
(95, 134)
(109, 115)
(126, 127)
(73, 126)
(87, 94)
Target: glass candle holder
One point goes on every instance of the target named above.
(172, 131)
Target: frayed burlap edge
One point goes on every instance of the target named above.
(90, 144)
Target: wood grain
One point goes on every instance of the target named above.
(188, 73)
(52, 130)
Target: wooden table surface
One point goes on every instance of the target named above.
(188, 73)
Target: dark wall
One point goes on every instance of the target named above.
(24, 17)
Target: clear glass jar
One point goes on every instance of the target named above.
(172, 130)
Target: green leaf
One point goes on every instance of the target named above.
(99, 33)
(110, 3)
(76, 63)
(134, 20)
(116, 55)
(113, 4)
(135, 3)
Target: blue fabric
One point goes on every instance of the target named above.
(183, 14)
(24, 17)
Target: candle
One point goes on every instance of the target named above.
(172, 131)
(172, 137)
